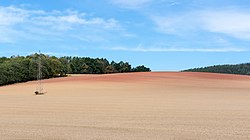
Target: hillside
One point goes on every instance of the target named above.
(176, 105)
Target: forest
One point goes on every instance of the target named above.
(242, 69)
(24, 68)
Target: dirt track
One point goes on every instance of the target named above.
(135, 106)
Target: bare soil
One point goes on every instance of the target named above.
(133, 106)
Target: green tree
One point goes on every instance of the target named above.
(21, 69)
(141, 68)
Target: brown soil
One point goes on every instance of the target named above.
(133, 106)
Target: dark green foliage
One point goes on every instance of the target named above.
(243, 69)
(141, 69)
(121, 66)
(21, 69)
(65, 66)
(2, 59)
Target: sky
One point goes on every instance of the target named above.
(165, 35)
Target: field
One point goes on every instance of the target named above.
(133, 106)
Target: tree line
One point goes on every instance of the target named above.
(24, 68)
(242, 69)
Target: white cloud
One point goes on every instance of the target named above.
(174, 24)
(70, 20)
(161, 49)
(10, 16)
(234, 23)
(18, 23)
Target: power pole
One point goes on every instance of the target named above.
(39, 88)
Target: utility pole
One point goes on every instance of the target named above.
(39, 88)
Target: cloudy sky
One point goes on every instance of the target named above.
(164, 35)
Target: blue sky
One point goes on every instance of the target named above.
(164, 35)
